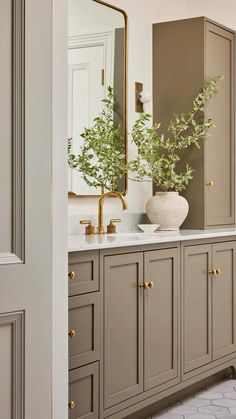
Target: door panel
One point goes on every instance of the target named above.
(160, 317)
(197, 300)
(224, 299)
(123, 314)
(220, 148)
(26, 201)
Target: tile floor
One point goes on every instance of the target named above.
(215, 402)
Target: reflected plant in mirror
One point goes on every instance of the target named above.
(97, 59)
(101, 161)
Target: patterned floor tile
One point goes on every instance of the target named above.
(183, 410)
(224, 402)
(214, 410)
(210, 395)
(196, 402)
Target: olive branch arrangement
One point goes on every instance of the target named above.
(102, 160)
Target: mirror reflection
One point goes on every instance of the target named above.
(96, 60)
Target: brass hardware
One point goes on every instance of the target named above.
(72, 333)
(213, 272)
(71, 404)
(217, 271)
(147, 285)
(210, 183)
(125, 101)
(103, 77)
(90, 229)
(100, 228)
(71, 275)
(144, 285)
(111, 228)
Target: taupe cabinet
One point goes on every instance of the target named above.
(163, 318)
(186, 53)
(140, 335)
(209, 303)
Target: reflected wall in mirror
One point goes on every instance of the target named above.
(97, 59)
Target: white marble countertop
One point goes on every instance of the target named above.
(79, 242)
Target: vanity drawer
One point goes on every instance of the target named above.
(83, 392)
(83, 329)
(83, 272)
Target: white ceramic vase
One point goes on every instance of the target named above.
(168, 209)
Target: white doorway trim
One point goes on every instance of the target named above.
(105, 39)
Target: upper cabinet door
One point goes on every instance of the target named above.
(160, 317)
(224, 299)
(220, 159)
(197, 300)
(123, 317)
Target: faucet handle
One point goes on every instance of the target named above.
(90, 229)
(111, 228)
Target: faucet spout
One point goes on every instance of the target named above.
(101, 228)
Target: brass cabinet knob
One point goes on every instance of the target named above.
(210, 183)
(72, 333)
(71, 404)
(217, 271)
(147, 285)
(90, 229)
(71, 275)
(144, 285)
(213, 272)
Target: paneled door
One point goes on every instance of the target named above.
(26, 333)
(160, 317)
(123, 317)
(197, 303)
(224, 299)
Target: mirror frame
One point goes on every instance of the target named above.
(125, 191)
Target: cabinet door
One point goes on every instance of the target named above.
(220, 159)
(197, 300)
(83, 392)
(123, 319)
(160, 317)
(224, 299)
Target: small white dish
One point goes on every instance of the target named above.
(148, 228)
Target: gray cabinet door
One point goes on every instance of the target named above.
(224, 299)
(83, 331)
(197, 303)
(220, 158)
(123, 320)
(160, 317)
(83, 392)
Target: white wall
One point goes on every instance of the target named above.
(141, 16)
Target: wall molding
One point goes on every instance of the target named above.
(18, 136)
(16, 322)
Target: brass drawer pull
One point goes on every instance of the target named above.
(210, 183)
(217, 271)
(71, 404)
(72, 333)
(151, 284)
(71, 275)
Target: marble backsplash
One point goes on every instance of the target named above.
(129, 222)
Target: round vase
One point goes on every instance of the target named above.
(168, 209)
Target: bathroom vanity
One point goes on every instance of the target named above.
(149, 315)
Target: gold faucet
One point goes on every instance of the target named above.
(101, 228)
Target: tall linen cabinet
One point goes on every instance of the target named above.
(186, 53)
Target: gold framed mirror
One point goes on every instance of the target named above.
(97, 58)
